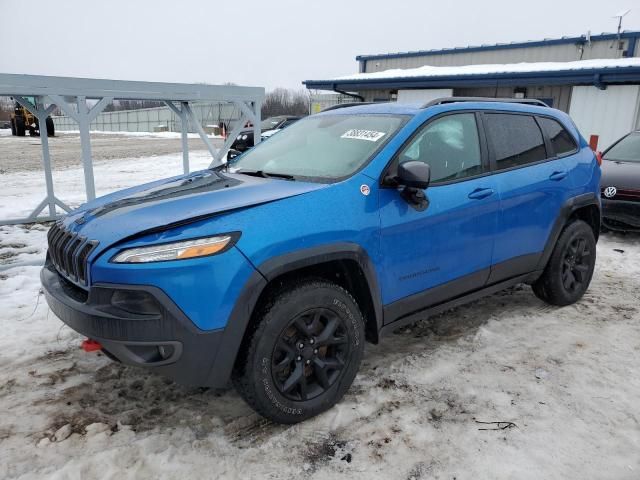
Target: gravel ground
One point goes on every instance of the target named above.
(24, 153)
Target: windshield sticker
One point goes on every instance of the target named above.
(370, 135)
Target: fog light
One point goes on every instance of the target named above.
(135, 301)
(165, 351)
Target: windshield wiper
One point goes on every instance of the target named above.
(263, 174)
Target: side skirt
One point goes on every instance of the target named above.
(456, 302)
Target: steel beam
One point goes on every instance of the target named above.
(198, 127)
(50, 200)
(85, 146)
(184, 127)
(26, 85)
(58, 90)
(217, 159)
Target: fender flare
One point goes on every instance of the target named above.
(240, 316)
(568, 208)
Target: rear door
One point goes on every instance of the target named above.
(533, 183)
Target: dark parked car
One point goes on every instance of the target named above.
(620, 185)
(244, 140)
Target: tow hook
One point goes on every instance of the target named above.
(89, 345)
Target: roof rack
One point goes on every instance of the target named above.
(345, 105)
(526, 101)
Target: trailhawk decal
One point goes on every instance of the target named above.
(369, 135)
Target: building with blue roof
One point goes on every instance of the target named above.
(594, 78)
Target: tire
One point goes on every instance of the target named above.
(21, 128)
(13, 127)
(570, 268)
(303, 352)
(51, 130)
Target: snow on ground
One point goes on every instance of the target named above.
(22, 191)
(568, 378)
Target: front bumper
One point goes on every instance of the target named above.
(138, 325)
(621, 215)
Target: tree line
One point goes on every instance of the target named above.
(283, 101)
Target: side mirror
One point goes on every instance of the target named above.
(414, 175)
(232, 154)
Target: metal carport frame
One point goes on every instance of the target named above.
(71, 95)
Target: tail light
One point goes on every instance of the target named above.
(599, 158)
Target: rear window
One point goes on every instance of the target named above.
(561, 140)
(516, 139)
(626, 150)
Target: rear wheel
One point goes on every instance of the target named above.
(570, 268)
(304, 353)
(13, 127)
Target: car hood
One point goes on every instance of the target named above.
(176, 201)
(624, 175)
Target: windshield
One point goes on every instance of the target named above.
(626, 150)
(269, 123)
(326, 147)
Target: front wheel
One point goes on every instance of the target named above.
(303, 354)
(570, 268)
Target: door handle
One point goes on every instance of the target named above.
(480, 193)
(558, 175)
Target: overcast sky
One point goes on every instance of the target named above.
(267, 43)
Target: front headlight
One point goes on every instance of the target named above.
(200, 247)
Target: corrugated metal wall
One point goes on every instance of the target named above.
(149, 119)
(423, 95)
(561, 95)
(549, 53)
(608, 113)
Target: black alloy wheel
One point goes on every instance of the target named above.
(310, 354)
(302, 352)
(569, 270)
(576, 265)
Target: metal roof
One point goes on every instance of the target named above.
(581, 39)
(585, 72)
(29, 85)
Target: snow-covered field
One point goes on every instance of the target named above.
(22, 191)
(568, 379)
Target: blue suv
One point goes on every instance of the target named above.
(273, 270)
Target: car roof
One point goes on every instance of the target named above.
(394, 108)
(390, 108)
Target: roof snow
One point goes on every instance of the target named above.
(488, 69)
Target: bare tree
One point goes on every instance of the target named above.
(282, 101)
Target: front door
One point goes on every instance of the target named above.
(451, 241)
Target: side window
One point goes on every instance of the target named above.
(450, 146)
(516, 139)
(561, 140)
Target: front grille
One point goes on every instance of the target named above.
(69, 253)
(624, 194)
